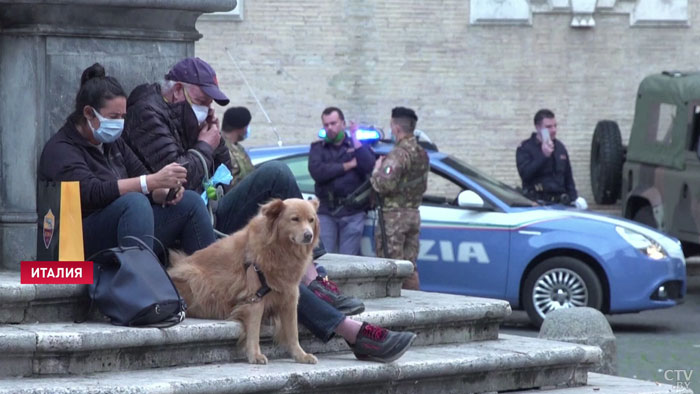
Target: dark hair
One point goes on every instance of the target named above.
(330, 110)
(407, 118)
(236, 118)
(95, 89)
(543, 114)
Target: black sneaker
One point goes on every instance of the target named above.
(375, 343)
(327, 290)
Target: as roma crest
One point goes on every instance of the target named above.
(49, 224)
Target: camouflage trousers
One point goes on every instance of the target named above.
(402, 230)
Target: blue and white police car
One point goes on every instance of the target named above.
(480, 237)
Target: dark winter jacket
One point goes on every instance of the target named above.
(545, 177)
(67, 156)
(161, 133)
(333, 183)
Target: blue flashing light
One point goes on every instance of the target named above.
(364, 134)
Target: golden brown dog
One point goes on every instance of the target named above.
(216, 283)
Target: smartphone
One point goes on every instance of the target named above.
(544, 134)
(172, 193)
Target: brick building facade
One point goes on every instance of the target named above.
(474, 73)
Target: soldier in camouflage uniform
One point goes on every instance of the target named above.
(234, 130)
(400, 179)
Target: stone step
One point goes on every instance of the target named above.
(68, 348)
(608, 384)
(507, 363)
(362, 277)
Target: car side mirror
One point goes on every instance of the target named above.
(469, 199)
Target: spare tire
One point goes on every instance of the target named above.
(607, 156)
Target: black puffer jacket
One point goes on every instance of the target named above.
(67, 156)
(545, 176)
(161, 133)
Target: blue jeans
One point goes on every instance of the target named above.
(342, 234)
(132, 214)
(242, 202)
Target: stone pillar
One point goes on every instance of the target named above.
(586, 326)
(43, 49)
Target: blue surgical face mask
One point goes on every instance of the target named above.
(109, 130)
(247, 133)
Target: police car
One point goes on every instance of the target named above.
(480, 237)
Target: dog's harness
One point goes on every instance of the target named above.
(264, 288)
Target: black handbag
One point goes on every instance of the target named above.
(132, 288)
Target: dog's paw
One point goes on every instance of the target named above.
(307, 359)
(257, 359)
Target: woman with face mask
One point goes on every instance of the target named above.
(118, 196)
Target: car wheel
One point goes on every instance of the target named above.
(560, 282)
(645, 215)
(607, 155)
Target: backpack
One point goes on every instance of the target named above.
(132, 288)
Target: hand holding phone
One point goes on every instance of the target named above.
(544, 134)
(172, 193)
(547, 144)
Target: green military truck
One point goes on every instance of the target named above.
(657, 175)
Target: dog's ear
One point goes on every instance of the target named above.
(272, 209)
(314, 203)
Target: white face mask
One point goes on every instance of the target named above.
(200, 111)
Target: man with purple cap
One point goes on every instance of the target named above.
(165, 121)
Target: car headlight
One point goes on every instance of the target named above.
(641, 242)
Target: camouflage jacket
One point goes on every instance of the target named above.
(403, 177)
(241, 165)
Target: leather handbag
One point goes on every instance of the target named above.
(132, 288)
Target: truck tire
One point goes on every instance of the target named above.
(607, 156)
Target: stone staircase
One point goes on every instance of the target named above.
(458, 348)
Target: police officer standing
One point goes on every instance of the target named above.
(400, 180)
(339, 164)
(544, 166)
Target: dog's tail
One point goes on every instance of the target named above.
(177, 257)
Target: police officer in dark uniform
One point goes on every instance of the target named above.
(543, 164)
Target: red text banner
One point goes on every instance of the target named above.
(56, 272)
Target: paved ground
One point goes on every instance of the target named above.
(661, 345)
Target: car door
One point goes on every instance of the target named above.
(462, 251)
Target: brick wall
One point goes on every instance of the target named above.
(475, 88)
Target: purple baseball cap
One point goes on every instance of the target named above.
(196, 71)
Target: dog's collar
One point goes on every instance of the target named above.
(264, 288)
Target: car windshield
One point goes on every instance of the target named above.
(499, 189)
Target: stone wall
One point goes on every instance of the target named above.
(475, 85)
